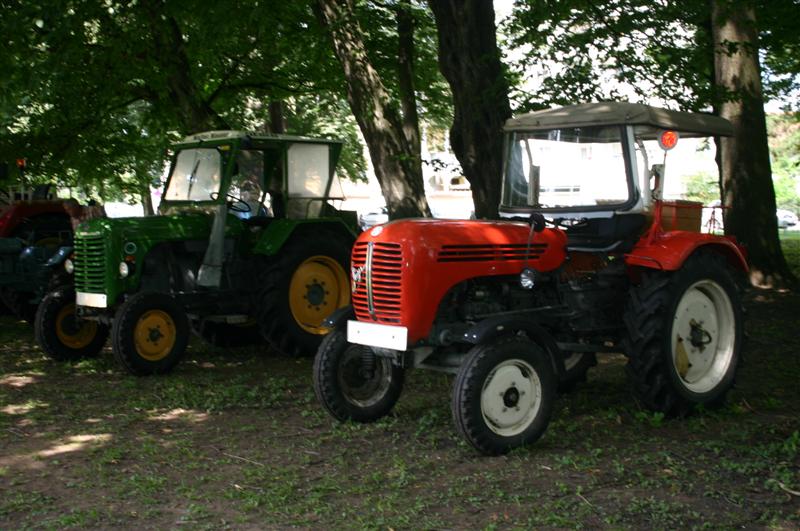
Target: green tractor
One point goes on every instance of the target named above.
(248, 245)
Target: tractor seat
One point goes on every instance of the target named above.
(619, 233)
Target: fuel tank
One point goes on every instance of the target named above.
(401, 270)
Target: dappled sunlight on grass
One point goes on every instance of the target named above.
(75, 443)
(180, 414)
(24, 408)
(16, 380)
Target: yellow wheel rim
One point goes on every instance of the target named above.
(72, 332)
(154, 335)
(318, 287)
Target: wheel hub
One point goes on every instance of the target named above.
(363, 377)
(154, 335)
(317, 287)
(703, 334)
(315, 293)
(511, 397)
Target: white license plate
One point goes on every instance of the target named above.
(377, 335)
(94, 300)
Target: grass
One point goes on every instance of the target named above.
(236, 439)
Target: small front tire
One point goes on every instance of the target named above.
(150, 334)
(61, 334)
(352, 383)
(503, 395)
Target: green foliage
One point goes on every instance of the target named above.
(784, 137)
(702, 186)
(583, 50)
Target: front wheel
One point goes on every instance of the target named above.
(684, 335)
(150, 334)
(352, 383)
(503, 395)
(63, 335)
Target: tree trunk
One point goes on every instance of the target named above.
(277, 121)
(147, 201)
(169, 54)
(405, 65)
(470, 61)
(747, 189)
(394, 159)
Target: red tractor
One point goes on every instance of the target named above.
(590, 259)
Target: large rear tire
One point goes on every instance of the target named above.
(352, 383)
(304, 285)
(61, 334)
(150, 334)
(503, 395)
(684, 335)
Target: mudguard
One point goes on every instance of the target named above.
(670, 250)
(61, 255)
(501, 325)
(339, 317)
(278, 232)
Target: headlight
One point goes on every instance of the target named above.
(69, 266)
(124, 269)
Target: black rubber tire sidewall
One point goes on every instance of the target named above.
(45, 328)
(329, 392)
(468, 386)
(124, 325)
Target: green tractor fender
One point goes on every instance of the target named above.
(278, 232)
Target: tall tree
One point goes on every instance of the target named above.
(470, 61)
(395, 157)
(745, 165)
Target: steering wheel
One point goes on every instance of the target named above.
(235, 204)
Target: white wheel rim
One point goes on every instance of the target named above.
(511, 397)
(703, 336)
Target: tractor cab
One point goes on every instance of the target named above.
(598, 170)
(269, 176)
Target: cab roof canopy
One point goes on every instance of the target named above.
(223, 135)
(618, 113)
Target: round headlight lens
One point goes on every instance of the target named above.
(124, 269)
(69, 266)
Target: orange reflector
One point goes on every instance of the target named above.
(668, 140)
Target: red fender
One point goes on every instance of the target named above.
(670, 250)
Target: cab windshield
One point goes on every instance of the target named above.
(196, 175)
(566, 168)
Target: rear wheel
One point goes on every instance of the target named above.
(503, 395)
(150, 333)
(61, 334)
(684, 335)
(352, 383)
(303, 286)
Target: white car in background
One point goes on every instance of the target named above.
(786, 218)
(373, 217)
